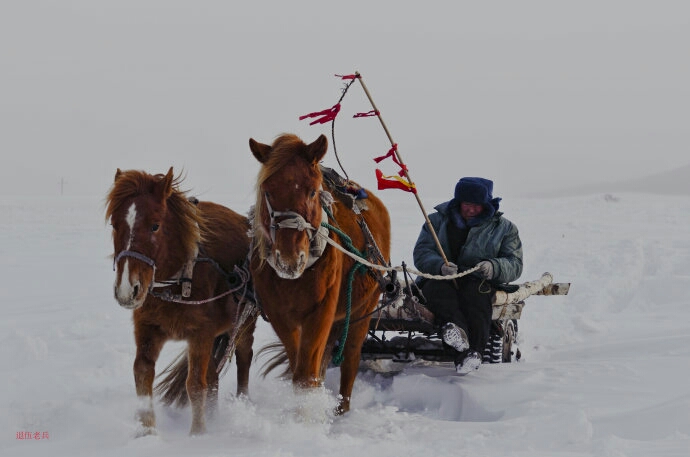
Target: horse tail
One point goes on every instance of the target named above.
(172, 389)
(279, 358)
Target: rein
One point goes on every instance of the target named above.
(241, 275)
(398, 268)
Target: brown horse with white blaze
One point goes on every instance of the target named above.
(178, 267)
(301, 284)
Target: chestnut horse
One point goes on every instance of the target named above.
(302, 285)
(164, 243)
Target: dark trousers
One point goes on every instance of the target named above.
(468, 306)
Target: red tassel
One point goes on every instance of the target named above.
(391, 154)
(327, 115)
(367, 114)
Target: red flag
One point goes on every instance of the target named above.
(394, 182)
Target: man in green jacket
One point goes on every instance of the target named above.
(472, 232)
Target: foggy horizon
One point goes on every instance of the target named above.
(537, 96)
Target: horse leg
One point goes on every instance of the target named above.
(327, 356)
(313, 341)
(244, 354)
(199, 353)
(348, 369)
(149, 344)
(212, 388)
(333, 337)
(289, 337)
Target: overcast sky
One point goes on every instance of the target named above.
(535, 95)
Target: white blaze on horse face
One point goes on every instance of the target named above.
(124, 289)
(131, 218)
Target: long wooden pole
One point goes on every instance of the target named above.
(404, 168)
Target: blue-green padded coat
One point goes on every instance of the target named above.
(495, 239)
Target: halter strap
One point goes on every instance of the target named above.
(236, 280)
(183, 277)
(137, 255)
(293, 220)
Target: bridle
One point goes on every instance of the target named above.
(239, 275)
(292, 220)
(136, 255)
(317, 237)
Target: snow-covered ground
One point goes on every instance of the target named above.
(604, 372)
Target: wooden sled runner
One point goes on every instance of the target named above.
(403, 330)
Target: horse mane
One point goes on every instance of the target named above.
(282, 150)
(193, 227)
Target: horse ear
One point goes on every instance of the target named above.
(261, 151)
(167, 183)
(118, 173)
(317, 149)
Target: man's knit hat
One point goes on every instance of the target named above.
(478, 191)
(474, 190)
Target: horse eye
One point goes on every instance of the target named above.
(313, 194)
(155, 227)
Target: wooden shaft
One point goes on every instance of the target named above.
(404, 168)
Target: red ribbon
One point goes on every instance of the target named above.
(348, 76)
(327, 115)
(367, 114)
(391, 154)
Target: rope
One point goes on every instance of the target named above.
(335, 150)
(348, 241)
(358, 258)
(353, 252)
(338, 356)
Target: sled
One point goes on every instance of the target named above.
(403, 330)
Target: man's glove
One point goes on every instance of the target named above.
(449, 269)
(486, 269)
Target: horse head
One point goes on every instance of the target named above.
(147, 233)
(288, 211)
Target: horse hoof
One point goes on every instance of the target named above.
(341, 409)
(145, 431)
(197, 431)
